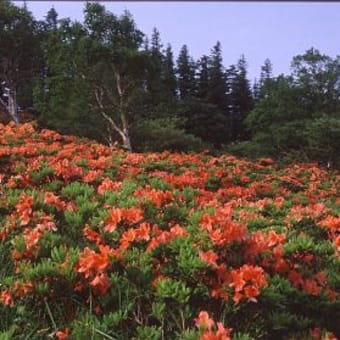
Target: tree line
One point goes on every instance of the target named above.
(105, 79)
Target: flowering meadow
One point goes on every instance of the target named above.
(98, 243)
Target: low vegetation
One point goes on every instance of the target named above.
(99, 243)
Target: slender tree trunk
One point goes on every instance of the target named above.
(125, 126)
(124, 129)
(12, 104)
(127, 142)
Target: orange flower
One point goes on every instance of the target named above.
(274, 238)
(101, 282)
(311, 287)
(295, 277)
(178, 231)
(209, 257)
(222, 332)
(114, 218)
(24, 218)
(132, 215)
(52, 199)
(91, 235)
(63, 335)
(127, 237)
(31, 238)
(238, 281)
(331, 222)
(24, 208)
(246, 281)
(207, 222)
(90, 263)
(237, 297)
(143, 232)
(6, 298)
(107, 184)
(250, 292)
(217, 237)
(92, 175)
(204, 321)
(321, 278)
(337, 243)
(21, 289)
(152, 244)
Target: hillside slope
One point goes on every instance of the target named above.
(99, 243)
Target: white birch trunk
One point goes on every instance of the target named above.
(12, 105)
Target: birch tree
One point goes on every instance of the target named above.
(116, 67)
(18, 52)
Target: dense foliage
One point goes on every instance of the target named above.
(103, 244)
(105, 79)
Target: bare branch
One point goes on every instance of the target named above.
(99, 98)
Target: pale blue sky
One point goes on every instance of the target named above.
(259, 30)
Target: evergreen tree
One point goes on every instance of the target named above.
(185, 74)
(52, 19)
(266, 71)
(205, 120)
(154, 82)
(206, 114)
(240, 99)
(146, 44)
(203, 78)
(156, 45)
(245, 93)
(266, 78)
(256, 90)
(63, 97)
(217, 81)
(169, 76)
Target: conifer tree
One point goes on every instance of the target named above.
(240, 101)
(154, 82)
(156, 45)
(256, 90)
(185, 73)
(203, 78)
(52, 19)
(217, 81)
(169, 76)
(266, 78)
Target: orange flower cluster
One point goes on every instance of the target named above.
(222, 228)
(247, 282)
(164, 236)
(156, 196)
(6, 298)
(207, 326)
(107, 184)
(117, 215)
(93, 265)
(24, 208)
(55, 201)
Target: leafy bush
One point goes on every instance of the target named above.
(323, 136)
(163, 134)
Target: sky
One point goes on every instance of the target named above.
(258, 30)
